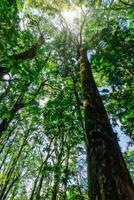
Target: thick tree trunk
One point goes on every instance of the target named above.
(108, 176)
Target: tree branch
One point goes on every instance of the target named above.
(126, 4)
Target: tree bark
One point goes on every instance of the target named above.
(108, 176)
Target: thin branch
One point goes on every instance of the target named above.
(126, 4)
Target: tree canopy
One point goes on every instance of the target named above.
(43, 140)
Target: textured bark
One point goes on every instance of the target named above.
(108, 176)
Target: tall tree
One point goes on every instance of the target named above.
(107, 172)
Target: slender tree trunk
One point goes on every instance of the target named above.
(10, 187)
(66, 173)
(18, 105)
(108, 176)
(11, 168)
(40, 186)
(56, 185)
(57, 172)
(36, 189)
(7, 153)
(35, 183)
(9, 174)
(4, 124)
(79, 189)
(4, 143)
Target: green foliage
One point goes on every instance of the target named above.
(129, 158)
(41, 116)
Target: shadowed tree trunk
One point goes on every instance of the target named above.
(58, 165)
(40, 186)
(16, 107)
(107, 173)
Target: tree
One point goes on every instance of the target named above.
(102, 147)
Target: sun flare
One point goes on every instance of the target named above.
(71, 15)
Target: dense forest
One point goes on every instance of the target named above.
(66, 99)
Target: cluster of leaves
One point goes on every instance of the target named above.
(129, 157)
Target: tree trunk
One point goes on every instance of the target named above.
(37, 187)
(57, 172)
(7, 153)
(10, 187)
(35, 183)
(65, 183)
(4, 142)
(11, 168)
(108, 176)
(56, 185)
(40, 186)
(16, 107)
